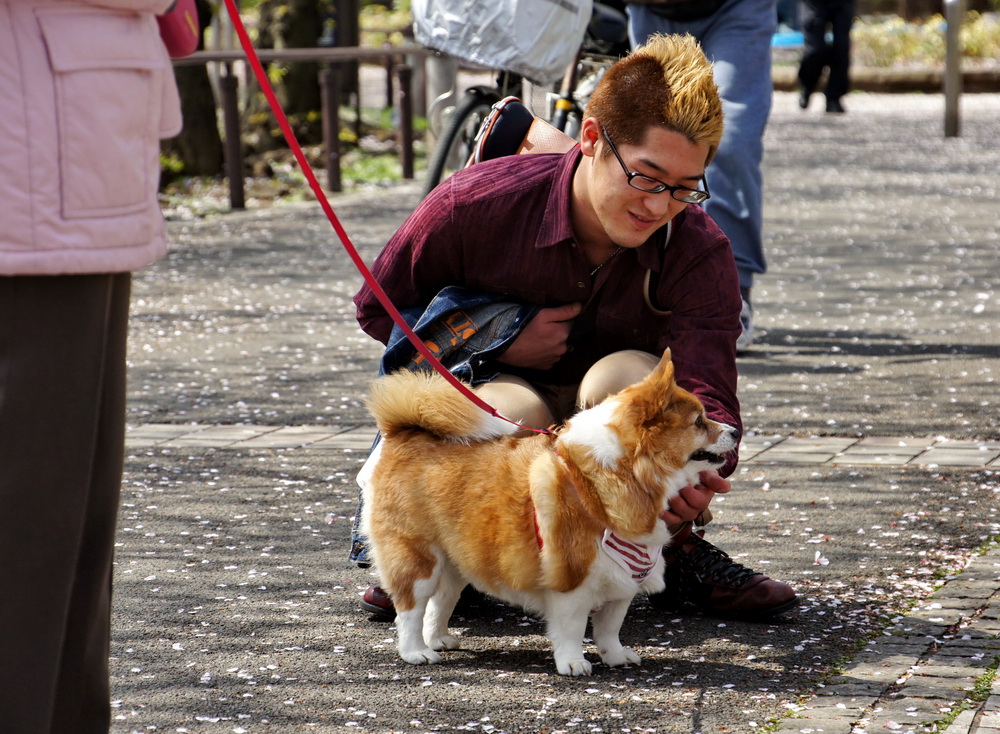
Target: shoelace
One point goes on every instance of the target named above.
(711, 564)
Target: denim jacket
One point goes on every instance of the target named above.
(465, 330)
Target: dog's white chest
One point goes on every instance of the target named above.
(637, 559)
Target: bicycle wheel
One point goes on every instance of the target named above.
(455, 146)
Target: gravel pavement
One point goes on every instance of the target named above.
(235, 607)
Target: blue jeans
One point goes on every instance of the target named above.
(737, 39)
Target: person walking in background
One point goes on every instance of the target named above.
(736, 37)
(87, 90)
(815, 18)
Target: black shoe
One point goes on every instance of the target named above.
(701, 575)
(833, 105)
(803, 99)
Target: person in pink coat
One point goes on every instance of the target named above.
(86, 92)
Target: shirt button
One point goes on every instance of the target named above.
(581, 284)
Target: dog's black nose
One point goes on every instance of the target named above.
(735, 433)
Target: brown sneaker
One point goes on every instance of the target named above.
(700, 574)
(377, 601)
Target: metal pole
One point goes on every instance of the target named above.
(233, 150)
(442, 72)
(954, 11)
(405, 76)
(329, 84)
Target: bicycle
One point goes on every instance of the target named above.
(606, 38)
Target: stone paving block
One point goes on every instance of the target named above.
(871, 689)
(949, 689)
(750, 446)
(882, 451)
(886, 659)
(900, 645)
(778, 456)
(989, 719)
(218, 436)
(953, 601)
(940, 614)
(901, 721)
(875, 670)
(923, 709)
(819, 444)
(968, 457)
(919, 628)
(969, 587)
(892, 444)
(289, 437)
(851, 458)
(962, 723)
(811, 726)
(959, 671)
(840, 712)
(152, 434)
(838, 706)
(991, 611)
(967, 648)
(971, 635)
(358, 439)
(984, 445)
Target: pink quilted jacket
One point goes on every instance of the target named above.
(86, 92)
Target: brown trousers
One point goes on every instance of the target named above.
(62, 430)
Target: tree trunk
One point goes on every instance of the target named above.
(199, 146)
(919, 9)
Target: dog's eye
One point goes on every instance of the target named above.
(699, 422)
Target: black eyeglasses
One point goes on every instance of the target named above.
(653, 186)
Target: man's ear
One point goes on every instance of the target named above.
(590, 133)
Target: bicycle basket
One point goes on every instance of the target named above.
(537, 39)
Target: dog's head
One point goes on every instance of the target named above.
(640, 446)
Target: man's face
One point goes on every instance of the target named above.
(627, 215)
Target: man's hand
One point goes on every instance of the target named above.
(543, 341)
(692, 501)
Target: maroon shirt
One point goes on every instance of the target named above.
(503, 226)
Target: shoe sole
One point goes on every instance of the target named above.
(375, 609)
(768, 614)
(762, 616)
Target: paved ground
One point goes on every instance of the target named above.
(870, 478)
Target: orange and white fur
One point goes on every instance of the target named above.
(454, 499)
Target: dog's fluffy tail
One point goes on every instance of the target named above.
(426, 401)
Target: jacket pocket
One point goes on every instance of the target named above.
(107, 69)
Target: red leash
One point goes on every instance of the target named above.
(380, 294)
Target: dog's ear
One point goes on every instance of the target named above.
(656, 391)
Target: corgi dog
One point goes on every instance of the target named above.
(566, 524)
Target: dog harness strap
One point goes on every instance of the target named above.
(635, 558)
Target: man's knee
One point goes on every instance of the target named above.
(517, 400)
(613, 373)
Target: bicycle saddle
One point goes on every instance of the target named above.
(511, 128)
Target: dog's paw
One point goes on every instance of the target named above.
(621, 656)
(574, 667)
(420, 657)
(444, 642)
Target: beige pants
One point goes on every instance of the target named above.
(538, 405)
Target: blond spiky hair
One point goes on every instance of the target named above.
(666, 82)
